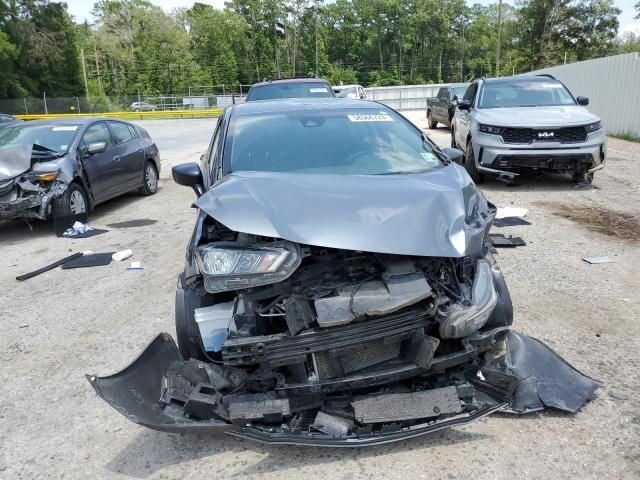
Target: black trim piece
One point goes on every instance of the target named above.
(379, 438)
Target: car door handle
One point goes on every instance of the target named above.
(116, 158)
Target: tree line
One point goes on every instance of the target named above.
(135, 47)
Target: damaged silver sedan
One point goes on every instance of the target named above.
(67, 166)
(338, 291)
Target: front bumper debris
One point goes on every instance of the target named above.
(522, 375)
(28, 200)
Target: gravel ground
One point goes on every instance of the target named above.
(63, 324)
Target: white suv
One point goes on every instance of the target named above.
(505, 125)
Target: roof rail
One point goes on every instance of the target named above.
(545, 75)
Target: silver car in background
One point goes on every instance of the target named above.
(511, 124)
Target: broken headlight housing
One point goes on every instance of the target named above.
(462, 320)
(230, 266)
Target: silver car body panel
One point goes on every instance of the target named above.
(438, 213)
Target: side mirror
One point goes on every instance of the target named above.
(454, 154)
(584, 101)
(97, 147)
(455, 98)
(189, 175)
(464, 105)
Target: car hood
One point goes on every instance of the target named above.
(14, 161)
(557, 116)
(438, 213)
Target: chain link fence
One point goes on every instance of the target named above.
(197, 98)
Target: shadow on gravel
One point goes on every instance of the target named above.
(151, 452)
(18, 230)
(530, 182)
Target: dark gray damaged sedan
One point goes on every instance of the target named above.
(68, 165)
(338, 291)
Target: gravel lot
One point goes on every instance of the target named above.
(63, 324)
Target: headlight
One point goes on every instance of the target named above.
(593, 127)
(490, 129)
(227, 266)
(41, 177)
(462, 321)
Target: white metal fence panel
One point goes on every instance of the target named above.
(407, 97)
(612, 85)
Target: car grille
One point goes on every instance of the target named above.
(530, 135)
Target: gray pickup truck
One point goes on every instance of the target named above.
(440, 109)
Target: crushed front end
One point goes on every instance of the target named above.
(30, 181)
(307, 345)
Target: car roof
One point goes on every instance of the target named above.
(298, 104)
(290, 80)
(80, 120)
(519, 78)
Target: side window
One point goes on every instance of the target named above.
(132, 130)
(442, 94)
(206, 160)
(214, 145)
(120, 131)
(96, 133)
(471, 92)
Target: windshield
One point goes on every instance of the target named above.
(525, 93)
(290, 90)
(458, 92)
(345, 92)
(44, 138)
(351, 142)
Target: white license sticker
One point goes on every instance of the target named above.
(370, 117)
(318, 90)
(71, 128)
(429, 157)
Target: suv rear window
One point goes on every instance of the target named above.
(524, 93)
(290, 90)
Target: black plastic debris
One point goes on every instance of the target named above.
(93, 260)
(510, 222)
(499, 240)
(51, 266)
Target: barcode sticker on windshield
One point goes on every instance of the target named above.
(71, 128)
(318, 90)
(370, 117)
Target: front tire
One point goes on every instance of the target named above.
(453, 138)
(470, 165)
(150, 180)
(430, 121)
(72, 202)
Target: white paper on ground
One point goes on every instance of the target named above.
(123, 255)
(135, 266)
(596, 260)
(511, 212)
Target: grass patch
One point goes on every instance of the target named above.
(630, 137)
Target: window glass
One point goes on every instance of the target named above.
(458, 91)
(43, 138)
(121, 132)
(471, 92)
(525, 93)
(97, 133)
(337, 141)
(133, 132)
(290, 90)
